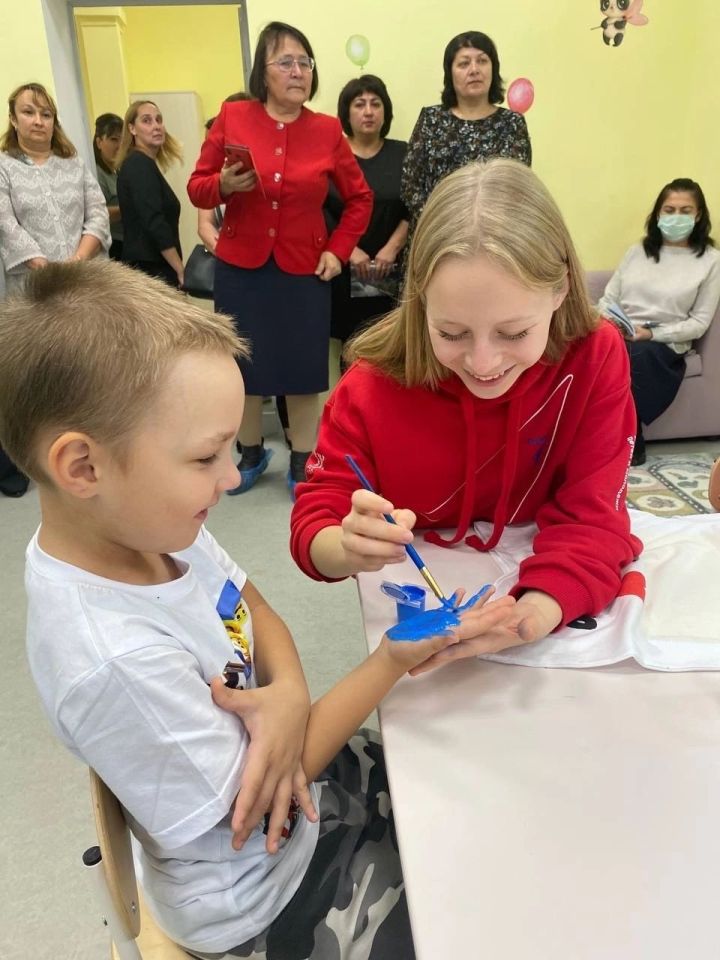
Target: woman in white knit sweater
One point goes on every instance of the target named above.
(51, 207)
(669, 287)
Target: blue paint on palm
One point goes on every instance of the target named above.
(433, 623)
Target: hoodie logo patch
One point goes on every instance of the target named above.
(315, 462)
(539, 444)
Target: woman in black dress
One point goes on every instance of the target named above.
(149, 208)
(368, 285)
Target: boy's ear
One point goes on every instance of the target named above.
(72, 463)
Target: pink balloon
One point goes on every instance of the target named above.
(520, 95)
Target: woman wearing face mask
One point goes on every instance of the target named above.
(669, 287)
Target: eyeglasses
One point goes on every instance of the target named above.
(306, 64)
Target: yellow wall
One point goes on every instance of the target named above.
(24, 51)
(609, 126)
(185, 48)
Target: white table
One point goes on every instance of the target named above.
(552, 814)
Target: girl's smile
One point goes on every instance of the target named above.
(485, 325)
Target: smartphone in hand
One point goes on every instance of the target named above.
(239, 153)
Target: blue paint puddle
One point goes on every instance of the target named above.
(433, 623)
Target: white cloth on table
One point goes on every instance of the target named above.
(666, 617)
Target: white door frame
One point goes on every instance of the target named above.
(65, 57)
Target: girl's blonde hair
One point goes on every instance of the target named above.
(169, 152)
(59, 144)
(499, 209)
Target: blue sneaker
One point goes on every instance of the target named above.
(291, 485)
(250, 476)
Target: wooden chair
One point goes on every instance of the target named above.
(135, 934)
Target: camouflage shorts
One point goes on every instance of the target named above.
(351, 903)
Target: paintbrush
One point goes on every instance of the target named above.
(411, 551)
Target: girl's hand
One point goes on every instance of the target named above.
(361, 261)
(234, 180)
(37, 263)
(487, 627)
(538, 613)
(367, 539)
(329, 266)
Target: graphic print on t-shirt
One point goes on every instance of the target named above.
(234, 615)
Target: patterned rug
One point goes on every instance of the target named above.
(673, 485)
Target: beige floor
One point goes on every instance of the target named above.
(46, 906)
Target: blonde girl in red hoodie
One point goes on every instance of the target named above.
(492, 396)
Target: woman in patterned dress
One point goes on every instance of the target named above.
(467, 125)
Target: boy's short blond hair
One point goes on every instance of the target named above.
(499, 209)
(85, 347)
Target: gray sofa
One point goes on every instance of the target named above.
(695, 412)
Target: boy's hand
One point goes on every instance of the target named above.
(403, 655)
(368, 540)
(484, 628)
(275, 718)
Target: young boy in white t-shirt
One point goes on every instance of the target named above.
(123, 400)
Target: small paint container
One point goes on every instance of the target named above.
(409, 598)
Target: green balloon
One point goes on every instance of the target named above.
(358, 49)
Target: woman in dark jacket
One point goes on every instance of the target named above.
(149, 208)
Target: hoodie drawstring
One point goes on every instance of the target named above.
(508, 476)
(466, 507)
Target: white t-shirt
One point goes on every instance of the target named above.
(123, 673)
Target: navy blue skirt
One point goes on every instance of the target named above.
(286, 318)
(657, 372)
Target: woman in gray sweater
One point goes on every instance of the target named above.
(668, 286)
(51, 207)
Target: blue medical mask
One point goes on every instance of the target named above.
(676, 226)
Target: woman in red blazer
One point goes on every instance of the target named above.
(275, 257)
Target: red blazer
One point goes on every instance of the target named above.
(295, 161)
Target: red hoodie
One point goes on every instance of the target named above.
(555, 449)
